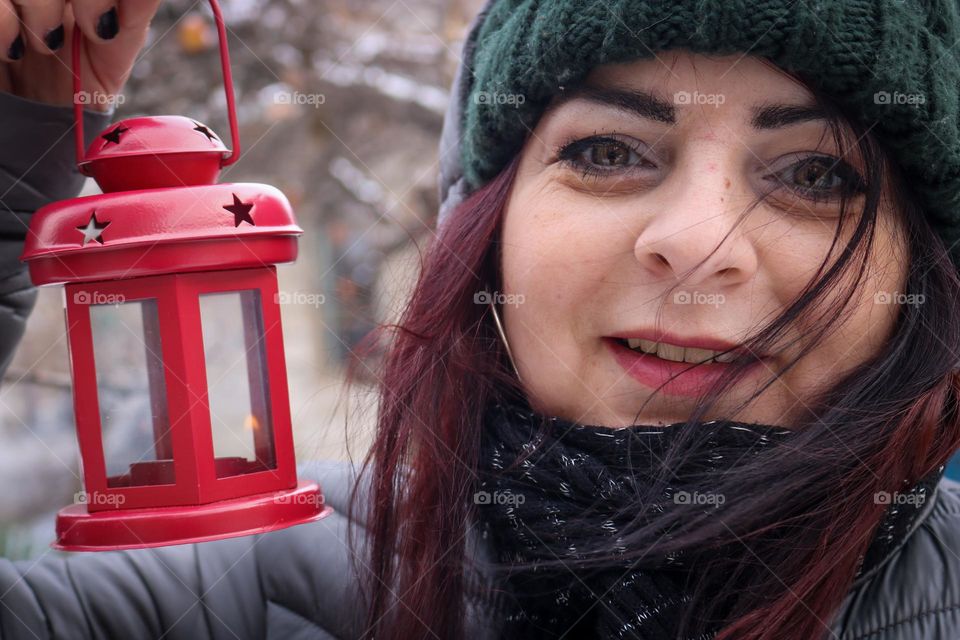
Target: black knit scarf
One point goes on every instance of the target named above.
(580, 490)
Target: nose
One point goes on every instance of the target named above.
(697, 234)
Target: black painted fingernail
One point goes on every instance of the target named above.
(108, 25)
(15, 52)
(54, 38)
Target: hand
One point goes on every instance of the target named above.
(36, 40)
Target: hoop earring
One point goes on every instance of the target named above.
(503, 338)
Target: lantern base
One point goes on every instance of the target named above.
(80, 530)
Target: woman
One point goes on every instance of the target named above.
(680, 362)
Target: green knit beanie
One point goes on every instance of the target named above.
(855, 51)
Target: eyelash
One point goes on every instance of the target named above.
(571, 152)
(853, 182)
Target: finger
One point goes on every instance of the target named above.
(137, 14)
(103, 20)
(11, 41)
(42, 24)
(128, 21)
(98, 19)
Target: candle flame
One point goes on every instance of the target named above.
(250, 423)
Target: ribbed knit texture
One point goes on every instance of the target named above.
(850, 49)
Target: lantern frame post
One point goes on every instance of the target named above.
(284, 476)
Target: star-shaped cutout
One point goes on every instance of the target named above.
(93, 230)
(205, 131)
(240, 211)
(114, 136)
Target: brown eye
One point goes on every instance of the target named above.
(610, 154)
(816, 174)
(821, 177)
(602, 156)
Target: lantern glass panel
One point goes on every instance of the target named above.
(131, 393)
(237, 382)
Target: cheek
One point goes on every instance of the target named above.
(868, 317)
(790, 253)
(879, 299)
(544, 274)
(568, 255)
(861, 335)
(557, 265)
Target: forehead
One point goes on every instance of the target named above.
(742, 79)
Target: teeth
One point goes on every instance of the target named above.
(691, 354)
(670, 352)
(647, 346)
(678, 354)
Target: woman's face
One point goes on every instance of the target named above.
(623, 192)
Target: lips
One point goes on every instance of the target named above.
(698, 342)
(670, 376)
(676, 353)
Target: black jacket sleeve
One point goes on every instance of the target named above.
(36, 167)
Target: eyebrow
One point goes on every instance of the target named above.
(652, 107)
(773, 116)
(642, 103)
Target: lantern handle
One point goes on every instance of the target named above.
(227, 86)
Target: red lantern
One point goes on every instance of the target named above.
(171, 295)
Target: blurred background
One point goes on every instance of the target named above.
(340, 106)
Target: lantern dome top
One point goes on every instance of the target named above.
(155, 135)
(155, 151)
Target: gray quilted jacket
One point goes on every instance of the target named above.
(299, 584)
